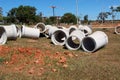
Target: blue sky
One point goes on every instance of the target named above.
(85, 7)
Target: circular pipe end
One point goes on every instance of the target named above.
(41, 27)
(117, 30)
(88, 44)
(59, 37)
(3, 36)
(73, 43)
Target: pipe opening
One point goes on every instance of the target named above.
(41, 27)
(118, 29)
(3, 36)
(71, 30)
(17, 29)
(89, 43)
(73, 42)
(21, 28)
(2, 30)
(60, 36)
(85, 31)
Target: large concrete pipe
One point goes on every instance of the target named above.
(41, 27)
(74, 41)
(11, 31)
(86, 29)
(117, 30)
(71, 29)
(51, 30)
(94, 41)
(59, 36)
(30, 32)
(3, 36)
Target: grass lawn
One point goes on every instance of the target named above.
(28, 59)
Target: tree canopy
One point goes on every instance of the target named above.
(69, 18)
(103, 15)
(23, 14)
(118, 9)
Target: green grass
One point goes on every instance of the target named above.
(1, 60)
(103, 64)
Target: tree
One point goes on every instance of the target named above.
(12, 15)
(53, 19)
(118, 9)
(113, 9)
(48, 21)
(69, 18)
(1, 18)
(26, 14)
(22, 14)
(37, 19)
(103, 15)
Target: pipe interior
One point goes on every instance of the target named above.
(71, 30)
(2, 30)
(73, 42)
(21, 28)
(118, 29)
(89, 43)
(85, 31)
(17, 29)
(60, 36)
(41, 27)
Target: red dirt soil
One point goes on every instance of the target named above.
(21, 57)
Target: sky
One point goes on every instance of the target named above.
(85, 7)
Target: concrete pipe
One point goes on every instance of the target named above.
(51, 30)
(11, 31)
(3, 36)
(71, 29)
(94, 41)
(59, 37)
(117, 30)
(74, 41)
(61, 27)
(41, 27)
(86, 29)
(46, 33)
(30, 32)
(18, 32)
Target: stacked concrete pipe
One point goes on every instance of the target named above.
(29, 32)
(59, 36)
(3, 36)
(74, 41)
(94, 41)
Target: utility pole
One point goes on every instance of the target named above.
(77, 12)
(53, 8)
